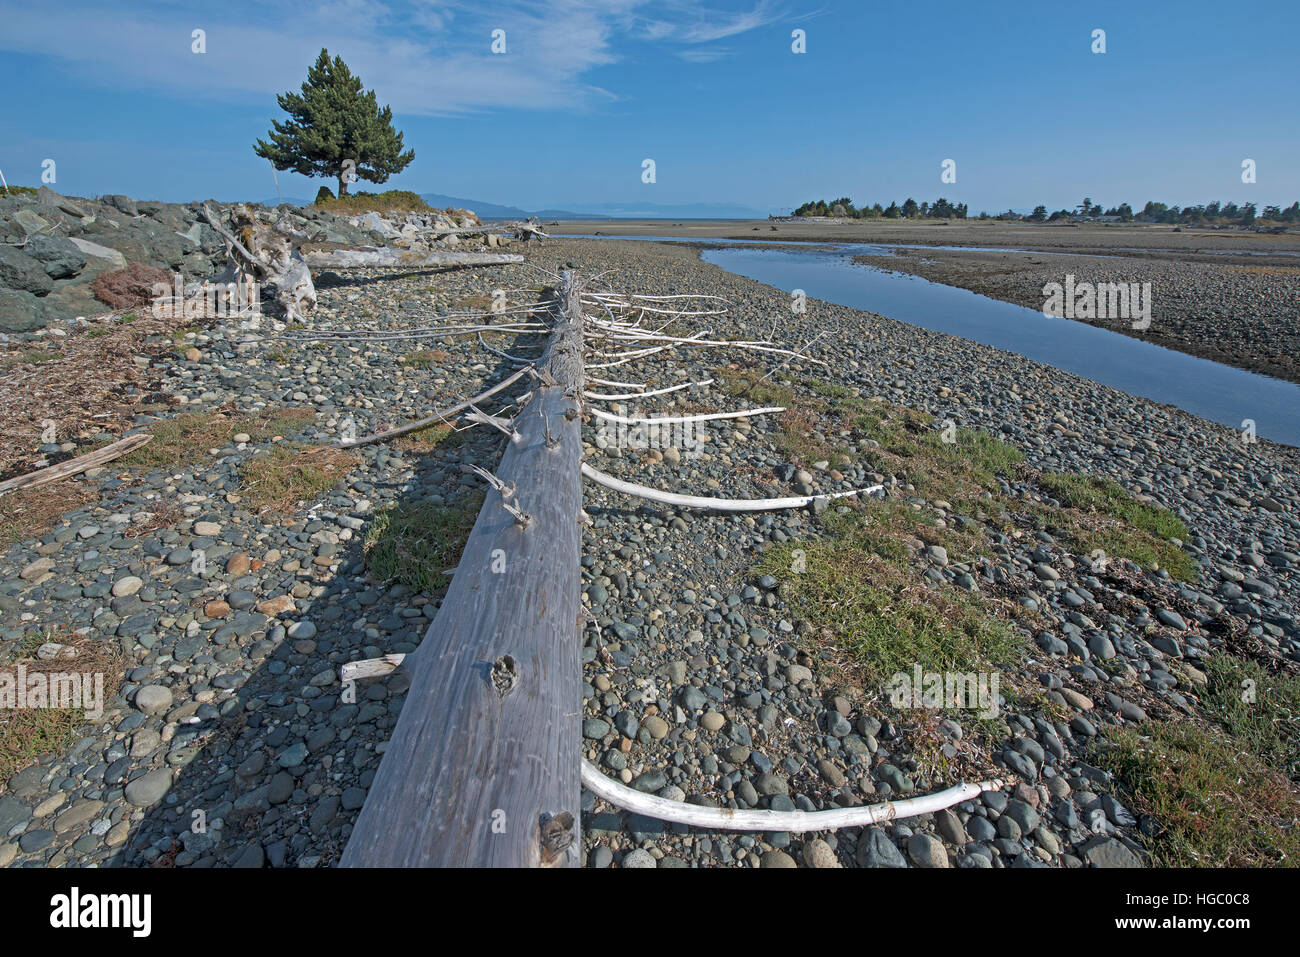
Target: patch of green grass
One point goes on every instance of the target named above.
(414, 543)
(981, 455)
(753, 385)
(423, 358)
(1259, 709)
(828, 390)
(855, 585)
(20, 191)
(38, 355)
(1216, 802)
(189, 436)
(27, 734)
(393, 200)
(287, 476)
(1110, 519)
(1108, 496)
(955, 464)
(428, 439)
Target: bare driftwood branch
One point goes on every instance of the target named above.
(389, 256)
(754, 819)
(78, 465)
(370, 668)
(678, 419)
(720, 504)
(442, 416)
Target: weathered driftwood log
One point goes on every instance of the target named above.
(483, 766)
(390, 256)
(78, 465)
(267, 254)
(530, 229)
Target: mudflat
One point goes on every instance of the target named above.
(1229, 295)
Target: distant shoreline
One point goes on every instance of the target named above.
(1072, 238)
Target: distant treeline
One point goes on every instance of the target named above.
(1152, 212)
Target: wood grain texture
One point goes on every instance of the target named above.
(391, 256)
(483, 767)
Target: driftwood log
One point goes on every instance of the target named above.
(391, 256)
(81, 463)
(483, 767)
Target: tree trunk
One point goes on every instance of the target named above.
(482, 769)
(343, 184)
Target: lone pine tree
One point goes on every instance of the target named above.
(335, 129)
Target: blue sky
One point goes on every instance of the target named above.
(712, 92)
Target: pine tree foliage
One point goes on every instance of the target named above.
(331, 123)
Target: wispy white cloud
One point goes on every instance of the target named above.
(703, 54)
(709, 27)
(423, 57)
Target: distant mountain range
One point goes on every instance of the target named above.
(495, 211)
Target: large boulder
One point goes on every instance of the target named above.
(20, 311)
(124, 204)
(49, 197)
(60, 257)
(75, 297)
(31, 223)
(20, 271)
(130, 246)
(98, 254)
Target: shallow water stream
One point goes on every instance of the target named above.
(1211, 390)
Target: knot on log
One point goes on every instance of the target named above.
(505, 675)
(555, 834)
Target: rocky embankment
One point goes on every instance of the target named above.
(705, 679)
(1240, 310)
(53, 248)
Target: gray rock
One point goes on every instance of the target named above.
(926, 850)
(638, 859)
(153, 699)
(1109, 852)
(875, 849)
(20, 311)
(60, 258)
(22, 272)
(149, 789)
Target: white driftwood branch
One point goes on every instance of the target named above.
(505, 426)
(430, 332)
(388, 256)
(437, 417)
(370, 668)
(797, 822)
(645, 395)
(676, 419)
(617, 385)
(503, 354)
(721, 504)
